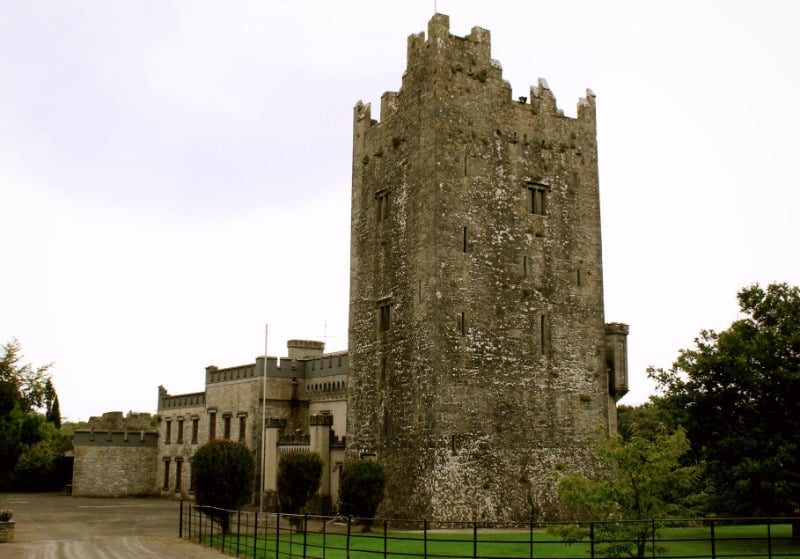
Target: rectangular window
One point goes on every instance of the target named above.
(168, 432)
(464, 241)
(382, 204)
(166, 475)
(537, 198)
(462, 323)
(242, 427)
(384, 317)
(178, 472)
(227, 427)
(180, 432)
(195, 429)
(212, 426)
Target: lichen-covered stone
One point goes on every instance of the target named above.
(478, 355)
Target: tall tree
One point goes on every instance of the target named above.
(53, 410)
(737, 392)
(22, 390)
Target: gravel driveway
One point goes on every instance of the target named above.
(51, 526)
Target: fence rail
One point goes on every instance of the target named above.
(259, 535)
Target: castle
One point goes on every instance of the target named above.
(479, 360)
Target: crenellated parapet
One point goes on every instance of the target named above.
(449, 63)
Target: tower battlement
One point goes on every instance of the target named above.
(450, 57)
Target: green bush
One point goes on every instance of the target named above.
(222, 473)
(361, 489)
(299, 475)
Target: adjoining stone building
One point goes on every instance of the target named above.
(305, 409)
(480, 358)
(115, 456)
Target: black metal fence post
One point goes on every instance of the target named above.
(425, 538)
(255, 536)
(591, 540)
(530, 537)
(305, 534)
(223, 528)
(713, 541)
(238, 530)
(474, 540)
(769, 538)
(180, 522)
(278, 535)
(385, 540)
(347, 542)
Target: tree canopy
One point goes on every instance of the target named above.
(31, 444)
(737, 392)
(223, 473)
(640, 478)
(361, 489)
(299, 475)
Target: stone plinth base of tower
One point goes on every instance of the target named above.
(479, 483)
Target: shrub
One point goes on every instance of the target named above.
(361, 490)
(299, 475)
(223, 474)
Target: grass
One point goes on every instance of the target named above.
(732, 542)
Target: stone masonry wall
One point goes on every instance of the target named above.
(115, 468)
(477, 335)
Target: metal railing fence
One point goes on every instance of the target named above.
(260, 535)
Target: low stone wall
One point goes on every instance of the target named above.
(114, 464)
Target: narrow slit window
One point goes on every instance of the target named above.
(165, 487)
(462, 323)
(195, 429)
(227, 427)
(382, 204)
(242, 428)
(544, 334)
(168, 434)
(212, 426)
(180, 432)
(178, 475)
(464, 240)
(384, 317)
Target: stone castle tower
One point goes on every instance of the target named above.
(480, 360)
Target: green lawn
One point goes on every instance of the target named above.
(731, 542)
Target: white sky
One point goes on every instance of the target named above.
(173, 175)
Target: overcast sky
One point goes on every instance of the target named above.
(174, 175)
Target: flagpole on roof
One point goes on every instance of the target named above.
(263, 422)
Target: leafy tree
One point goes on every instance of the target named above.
(24, 384)
(223, 473)
(299, 475)
(646, 420)
(22, 391)
(640, 479)
(737, 392)
(361, 490)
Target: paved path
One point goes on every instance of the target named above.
(52, 526)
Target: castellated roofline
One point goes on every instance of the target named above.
(440, 44)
